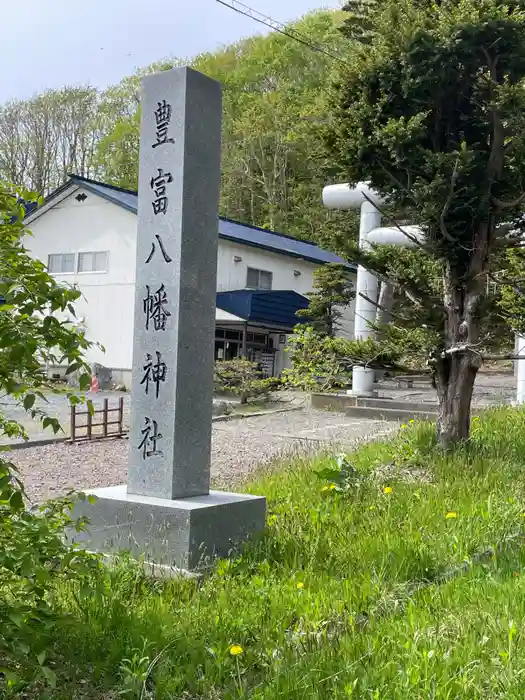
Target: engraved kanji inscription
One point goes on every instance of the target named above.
(162, 250)
(158, 185)
(150, 437)
(154, 373)
(162, 121)
(154, 308)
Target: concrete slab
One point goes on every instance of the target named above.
(184, 533)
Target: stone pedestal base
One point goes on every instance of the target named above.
(187, 533)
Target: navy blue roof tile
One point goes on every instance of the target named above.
(271, 309)
(228, 229)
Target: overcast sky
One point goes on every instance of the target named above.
(59, 42)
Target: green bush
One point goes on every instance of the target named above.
(315, 364)
(34, 555)
(243, 378)
(323, 363)
(34, 558)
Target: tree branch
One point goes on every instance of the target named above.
(499, 358)
(381, 307)
(448, 202)
(508, 205)
(396, 225)
(520, 291)
(389, 366)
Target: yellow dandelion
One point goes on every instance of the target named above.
(451, 514)
(328, 487)
(522, 515)
(387, 489)
(404, 426)
(300, 585)
(236, 650)
(411, 421)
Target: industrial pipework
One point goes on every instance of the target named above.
(361, 196)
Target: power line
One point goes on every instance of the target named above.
(276, 26)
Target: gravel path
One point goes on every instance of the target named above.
(238, 448)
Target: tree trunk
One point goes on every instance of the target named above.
(454, 378)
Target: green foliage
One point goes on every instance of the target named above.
(511, 300)
(315, 364)
(333, 293)
(135, 672)
(275, 97)
(48, 136)
(323, 363)
(243, 378)
(364, 593)
(34, 557)
(431, 112)
(341, 475)
(420, 137)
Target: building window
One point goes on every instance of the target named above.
(93, 262)
(258, 279)
(60, 263)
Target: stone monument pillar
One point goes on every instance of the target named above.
(167, 512)
(176, 285)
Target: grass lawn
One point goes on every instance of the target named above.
(347, 595)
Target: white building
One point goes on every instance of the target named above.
(86, 234)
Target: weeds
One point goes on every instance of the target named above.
(348, 594)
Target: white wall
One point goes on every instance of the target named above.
(108, 297)
(232, 275)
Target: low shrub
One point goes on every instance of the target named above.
(244, 379)
(322, 363)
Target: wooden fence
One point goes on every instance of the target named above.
(91, 434)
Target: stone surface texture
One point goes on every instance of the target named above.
(187, 533)
(176, 254)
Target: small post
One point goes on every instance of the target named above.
(105, 419)
(120, 415)
(89, 424)
(72, 423)
(244, 339)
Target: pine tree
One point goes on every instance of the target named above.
(333, 292)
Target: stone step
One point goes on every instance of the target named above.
(390, 414)
(343, 402)
(423, 406)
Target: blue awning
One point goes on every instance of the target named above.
(270, 309)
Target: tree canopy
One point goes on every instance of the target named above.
(431, 112)
(275, 97)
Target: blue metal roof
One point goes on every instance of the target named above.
(271, 309)
(228, 229)
(278, 242)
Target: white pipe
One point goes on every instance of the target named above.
(343, 196)
(346, 197)
(391, 235)
(365, 310)
(520, 350)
